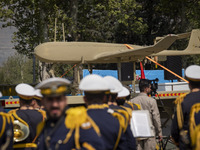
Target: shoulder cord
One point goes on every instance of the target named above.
(179, 112)
(43, 114)
(194, 129)
(127, 117)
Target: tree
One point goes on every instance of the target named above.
(109, 21)
(114, 21)
(17, 69)
(34, 21)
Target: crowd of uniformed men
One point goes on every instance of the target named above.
(45, 122)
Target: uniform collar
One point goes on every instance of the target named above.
(97, 106)
(26, 107)
(142, 94)
(112, 103)
(195, 90)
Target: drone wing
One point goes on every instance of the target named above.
(94, 52)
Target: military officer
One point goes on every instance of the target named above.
(150, 104)
(180, 123)
(6, 130)
(65, 128)
(116, 87)
(111, 129)
(26, 119)
(37, 98)
(123, 100)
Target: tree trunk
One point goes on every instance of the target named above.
(73, 32)
(45, 69)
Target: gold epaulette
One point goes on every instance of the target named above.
(138, 106)
(98, 106)
(180, 98)
(12, 111)
(77, 118)
(178, 102)
(129, 110)
(194, 129)
(9, 118)
(195, 136)
(197, 146)
(131, 104)
(16, 117)
(6, 118)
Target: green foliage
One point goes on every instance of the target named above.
(16, 69)
(115, 21)
(61, 69)
(30, 18)
(109, 21)
(19, 69)
(193, 13)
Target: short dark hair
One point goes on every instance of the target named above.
(120, 101)
(38, 102)
(113, 97)
(128, 97)
(93, 98)
(194, 84)
(144, 83)
(25, 102)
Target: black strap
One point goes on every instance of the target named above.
(46, 135)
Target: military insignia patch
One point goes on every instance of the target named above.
(86, 125)
(110, 111)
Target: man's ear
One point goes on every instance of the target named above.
(33, 103)
(146, 89)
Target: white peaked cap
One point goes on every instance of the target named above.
(38, 93)
(52, 82)
(25, 89)
(93, 83)
(125, 92)
(193, 73)
(115, 84)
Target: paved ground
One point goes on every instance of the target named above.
(166, 133)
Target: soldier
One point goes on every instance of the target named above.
(123, 101)
(116, 87)
(6, 130)
(181, 121)
(111, 129)
(37, 98)
(26, 119)
(65, 128)
(148, 103)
